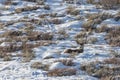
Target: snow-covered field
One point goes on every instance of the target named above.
(55, 18)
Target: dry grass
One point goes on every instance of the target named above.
(72, 11)
(43, 15)
(12, 33)
(62, 72)
(11, 48)
(101, 16)
(33, 36)
(39, 65)
(93, 2)
(28, 8)
(110, 4)
(116, 77)
(28, 55)
(113, 36)
(55, 21)
(102, 28)
(88, 25)
(81, 37)
(94, 20)
(102, 69)
(81, 34)
(7, 58)
(107, 4)
(115, 61)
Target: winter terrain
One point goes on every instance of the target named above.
(54, 40)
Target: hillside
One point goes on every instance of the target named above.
(59, 39)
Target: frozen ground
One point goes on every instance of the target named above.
(17, 70)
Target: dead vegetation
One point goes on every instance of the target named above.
(62, 72)
(107, 4)
(81, 37)
(113, 36)
(28, 8)
(102, 69)
(7, 58)
(99, 70)
(39, 65)
(28, 55)
(55, 21)
(72, 11)
(94, 20)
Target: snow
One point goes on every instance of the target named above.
(50, 54)
(57, 65)
(17, 70)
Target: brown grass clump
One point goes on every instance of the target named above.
(43, 15)
(81, 34)
(2, 54)
(39, 65)
(116, 77)
(94, 20)
(12, 33)
(55, 21)
(11, 48)
(107, 4)
(88, 25)
(2, 25)
(28, 55)
(102, 28)
(113, 37)
(62, 72)
(103, 69)
(91, 1)
(115, 61)
(27, 8)
(100, 70)
(33, 36)
(8, 2)
(7, 58)
(99, 17)
(110, 4)
(81, 37)
(72, 11)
